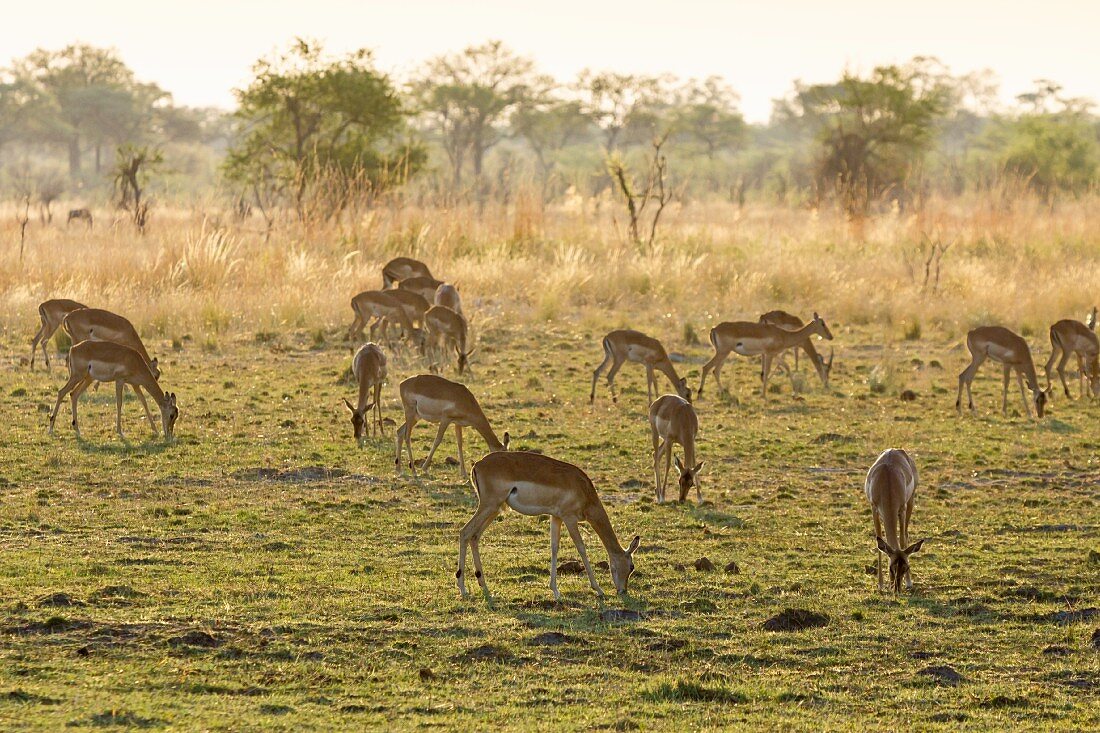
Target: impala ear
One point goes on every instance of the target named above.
(634, 545)
(507, 440)
(884, 547)
(348, 405)
(679, 464)
(913, 548)
(698, 467)
(154, 362)
(816, 316)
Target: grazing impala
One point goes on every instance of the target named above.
(80, 215)
(625, 345)
(672, 420)
(378, 307)
(534, 484)
(1069, 337)
(402, 268)
(52, 313)
(424, 286)
(106, 361)
(793, 323)
(369, 368)
(443, 328)
(438, 400)
(890, 487)
(414, 304)
(447, 294)
(757, 339)
(96, 324)
(1000, 344)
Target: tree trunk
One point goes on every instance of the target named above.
(74, 157)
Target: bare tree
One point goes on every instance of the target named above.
(655, 189)
(132, 171)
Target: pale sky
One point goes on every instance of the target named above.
(200, 49)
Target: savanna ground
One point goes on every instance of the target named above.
(263, 572)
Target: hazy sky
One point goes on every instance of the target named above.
(200, 49)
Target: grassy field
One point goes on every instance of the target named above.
(264, 572)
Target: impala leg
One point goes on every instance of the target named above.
(966, 377)
(443, 425)
(616, 365)
(404, 434)
(356, 326)
(555, 539)
(607, 359)
(656, 453)
(477, 524)
(767, 358)
(650, 384)
(1055, 350)
(40, 337)
(668, 467)
(575, 534)
(905, 540)
(148, 412)
(1023, 394)
(75, 397)
(74, 380)
(120, 386)
(1004, 393)
(461, 459)
(378, 410)
(1080, 375)
(878, 552)
(1062, 371)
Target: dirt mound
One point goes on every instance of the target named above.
(943, 674)
(304, 474)
(796, 619)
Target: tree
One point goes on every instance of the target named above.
(871, 131)
(466, 98)
(707, 116)
(614, 101)
(305, 117)
(133, 167)
(548, 126)
(94, 99)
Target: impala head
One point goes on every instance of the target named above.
(463, 358)
(169, 413)
(154, 367)
(822, 328)
(1040, 400)
(358, 420)
(899, 561)
(1092, 372)
(688, 476)
(622, 565)
(683, 389)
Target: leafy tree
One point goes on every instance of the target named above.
(550, 126)
(466, 98)
(872, 131)
(304, 118)
(94, 99)
(618, 101)
(707, 116)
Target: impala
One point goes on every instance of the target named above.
(890, 487)
(1000, 344)
(625, 345)
(443, 328)
(79, 215)
(52, 313)
(793, 323)
(1069, 337)
(438, 400)
(106, 361)
(758, 339)
(369, 368)
(534, 484)
(378, 307)
(96, 324)
(414, 304)
(402, 268)
(672, 420)
(447, 294)
(424, 286)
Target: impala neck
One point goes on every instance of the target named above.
(792, 338)
(149, 383)
(670, 371)
(1029, 373)
(481, 424)
(598, 519)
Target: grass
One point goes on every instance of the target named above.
(264, 572)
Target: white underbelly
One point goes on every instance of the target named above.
(749, 347)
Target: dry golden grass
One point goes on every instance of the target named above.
(1020, 264)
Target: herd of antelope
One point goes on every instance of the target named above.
(428, 312)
